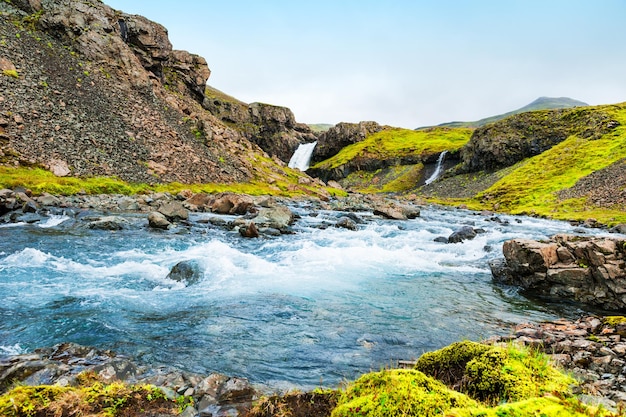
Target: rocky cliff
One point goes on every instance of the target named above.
(273, 128)
(87, 90)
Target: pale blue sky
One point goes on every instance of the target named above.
(404, 63)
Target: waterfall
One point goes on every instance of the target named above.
(439, 168)
(302, 156)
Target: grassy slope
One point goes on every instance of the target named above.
(533, 184)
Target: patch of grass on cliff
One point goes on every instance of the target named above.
(93, 399)
(399, 143)
(394, 179)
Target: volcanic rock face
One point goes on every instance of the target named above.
(591, 270)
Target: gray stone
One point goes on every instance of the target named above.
(346, 223)
(188, 272)
(464, 233)
(157, 220)
(109, 223)
(174, 211)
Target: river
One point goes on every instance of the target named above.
(305, 309)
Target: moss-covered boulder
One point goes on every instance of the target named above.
(399, 392)
(494, 374)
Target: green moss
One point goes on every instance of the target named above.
(548, 406)
(399, 143)
(614, 320)
(393, 179)
(492, 374)
(398, 393)
(10, 73)
(94, 399)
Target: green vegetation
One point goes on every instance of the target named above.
(394, 179)
(532, 185)
(39, 180)
(400, 143)
(320, 127)
(488, 381)
(91, 398)
(10, 73)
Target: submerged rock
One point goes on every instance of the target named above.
(109, 223)
(464, 233)
(187, 272)
(346, 223)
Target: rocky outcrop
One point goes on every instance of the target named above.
(591, 270)
(273, 128)
(340, 136)
(515, 138)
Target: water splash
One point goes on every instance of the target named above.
(439, 168)
(302, 156)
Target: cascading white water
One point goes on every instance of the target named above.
(438, 169)
(302, 156)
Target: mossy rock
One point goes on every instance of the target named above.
(399, 393)
(494, 374)
(549, 406)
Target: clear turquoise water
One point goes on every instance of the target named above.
(305, 309)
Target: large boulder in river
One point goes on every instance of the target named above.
(109, 223)
(395, 211)
(591, 270)
(174, 211)
(464, 233)
(158, 220)
(230, 203)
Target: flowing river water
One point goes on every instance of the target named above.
(315, 307)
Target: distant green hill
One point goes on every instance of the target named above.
(542, 103)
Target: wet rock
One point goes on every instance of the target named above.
(158, 220)
(249, 230)
(109, 223)
(174, 211)
(48, 200)
(187, 272)
(440, 239)
(464, 233)
(396, 211)
(279, 217)
(346, 223)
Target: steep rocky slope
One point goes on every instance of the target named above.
(87, 90)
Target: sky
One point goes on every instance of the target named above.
(405, 63)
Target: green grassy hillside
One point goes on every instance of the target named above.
(535, 185)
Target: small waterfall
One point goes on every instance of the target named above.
(439, 168)
(302, 156)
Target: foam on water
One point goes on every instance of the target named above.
(53, 221)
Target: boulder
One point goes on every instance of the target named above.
(109, 223)
(590, 270)
(395, 211)
(279, 217)
(187, 272)
(346, 223)
(48, 200)
(249, 230)
(174, 211)
(157, 220)
(464, 233)
(230, 203)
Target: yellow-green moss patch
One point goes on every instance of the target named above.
(398, 393)
(494, 374)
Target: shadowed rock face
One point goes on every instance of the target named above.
(340, 136)
(515, 138)
(591, 270)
